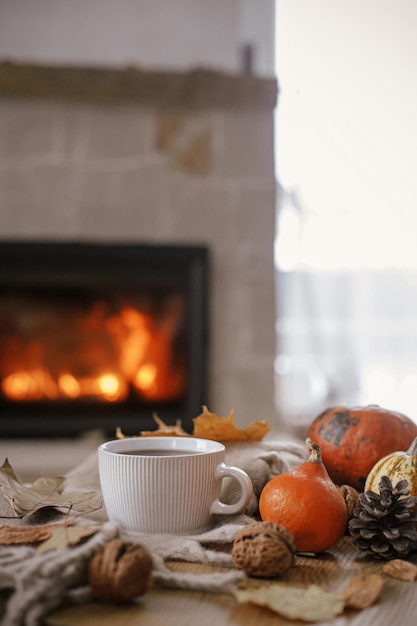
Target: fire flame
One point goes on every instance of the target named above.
(135, 354)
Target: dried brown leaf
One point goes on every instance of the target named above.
(363, 591)
(400, 569)
(66, 537)
(13, 535)
(163, 430)
(208, 425)
(44, 492)
(311, 604)
(45, 485)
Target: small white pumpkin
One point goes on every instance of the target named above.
(397, 466)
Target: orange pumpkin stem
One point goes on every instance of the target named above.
(315, 451)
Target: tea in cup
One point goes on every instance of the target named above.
(167, 485)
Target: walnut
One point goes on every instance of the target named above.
(403, 570)
(120, 571)
(351, 498)
(263, 550)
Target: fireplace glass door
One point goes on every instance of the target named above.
(100, 336)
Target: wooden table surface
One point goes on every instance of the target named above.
(397, 605)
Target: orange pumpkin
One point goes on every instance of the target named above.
(307, 503)
(353, 439)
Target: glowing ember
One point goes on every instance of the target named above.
(69, 386)
(145, 378)
(111, 388)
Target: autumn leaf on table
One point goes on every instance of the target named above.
(13, 535)
(49, 536)
(44, 492)
(208, 425)
(163, 430)
(66, 537)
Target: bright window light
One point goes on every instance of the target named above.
(347, 131)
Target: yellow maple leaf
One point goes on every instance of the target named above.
(208, 425)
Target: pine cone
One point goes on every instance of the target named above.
(385, 524)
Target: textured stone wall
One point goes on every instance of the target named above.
(127, 169)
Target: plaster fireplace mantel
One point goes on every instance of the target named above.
(130, 156)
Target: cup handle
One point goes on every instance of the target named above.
(223, 471)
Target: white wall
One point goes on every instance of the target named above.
(172, 34)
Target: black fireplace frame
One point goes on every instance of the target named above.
(51, 264)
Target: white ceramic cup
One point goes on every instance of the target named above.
(167, 485)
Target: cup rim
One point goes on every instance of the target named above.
(116, 447)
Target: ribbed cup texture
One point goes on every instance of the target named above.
(159, 494)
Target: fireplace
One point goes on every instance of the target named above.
(100, 336)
